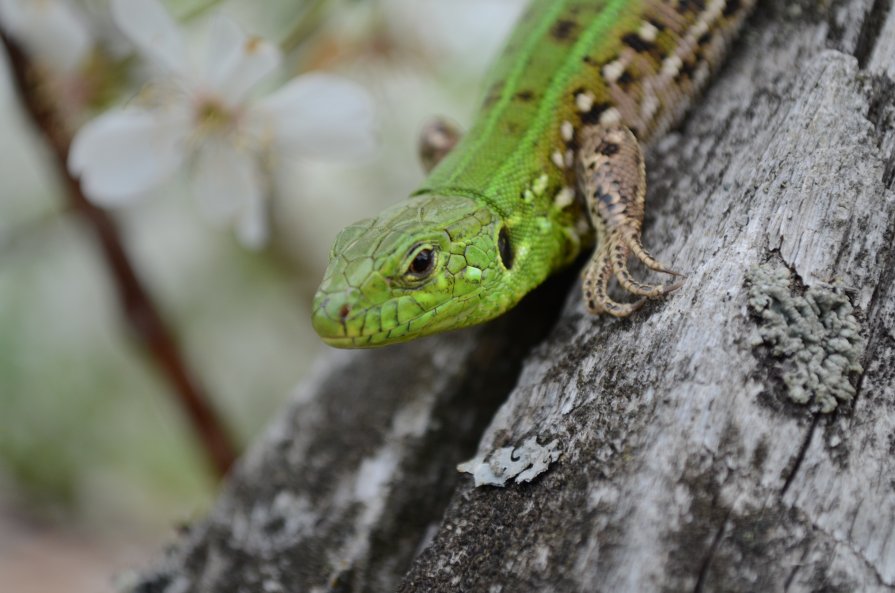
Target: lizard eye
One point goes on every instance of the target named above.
(422, 264)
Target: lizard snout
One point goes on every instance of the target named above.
(334, 315)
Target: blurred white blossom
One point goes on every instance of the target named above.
(202, 112)
(52, 30)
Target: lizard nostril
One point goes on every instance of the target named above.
(344, 311)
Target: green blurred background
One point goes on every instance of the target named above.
(97, 464)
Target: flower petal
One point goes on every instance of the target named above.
(149, 26)
(319, 115)
(230, 189)
(121, 154)
(12, 15)
(236, 62)
(219, 181)
(52, 30)
(223, 36)
(252, 226)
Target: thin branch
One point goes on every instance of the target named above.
(140, 312)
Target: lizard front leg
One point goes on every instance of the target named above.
(437, 139)
(612, 176)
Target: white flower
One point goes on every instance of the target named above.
(206, 115)
(51, 30)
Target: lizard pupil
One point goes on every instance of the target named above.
(503, 246)
(422, 264)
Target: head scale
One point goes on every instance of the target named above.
(423, 266)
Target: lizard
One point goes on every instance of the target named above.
(552, 165)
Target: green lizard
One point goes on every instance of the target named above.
(553, 161)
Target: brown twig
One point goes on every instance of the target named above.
(140, 311)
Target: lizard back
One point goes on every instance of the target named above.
(568, 64)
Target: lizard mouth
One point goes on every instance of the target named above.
(352, 331)
(370, 341)
(341, 339)
(348, 331)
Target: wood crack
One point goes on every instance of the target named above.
(870, 31)
(881, 115)
(800, 456)
(879, 297)
(795, 569)
(707, 561)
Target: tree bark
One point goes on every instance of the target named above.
(738, 435)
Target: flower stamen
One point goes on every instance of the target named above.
(213, 117)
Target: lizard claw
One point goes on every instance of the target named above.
(611, 260)
(632, 242)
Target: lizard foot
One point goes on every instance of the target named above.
(612, 177)
(611, 260)
(436, 140)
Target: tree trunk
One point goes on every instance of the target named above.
(738, 435)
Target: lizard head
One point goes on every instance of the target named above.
(427, 265)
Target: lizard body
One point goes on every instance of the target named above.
(554, 154)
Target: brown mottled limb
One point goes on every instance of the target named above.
(612, 176)
(139, 309)
(437, 139)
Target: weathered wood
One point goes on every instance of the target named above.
(685, 463)
(345, 484)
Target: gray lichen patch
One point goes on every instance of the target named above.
(813, 333)
(521, 464)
